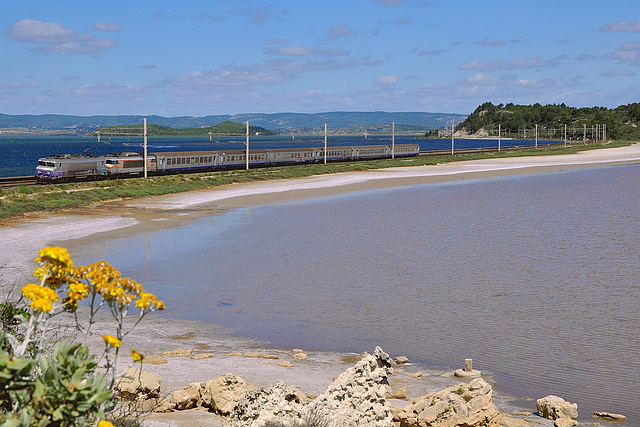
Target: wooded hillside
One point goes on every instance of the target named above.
(621, 122)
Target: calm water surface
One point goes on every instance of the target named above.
(536, 278)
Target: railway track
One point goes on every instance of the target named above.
(14, 181)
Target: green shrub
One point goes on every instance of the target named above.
(65, 391)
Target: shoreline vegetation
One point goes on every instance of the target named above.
(23, 200)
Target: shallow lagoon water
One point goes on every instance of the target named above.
(534, 277)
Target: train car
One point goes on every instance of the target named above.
(128, 164)
(76, 167)
(290, 156)
(186, 161)
(70, 167)
(406, 150)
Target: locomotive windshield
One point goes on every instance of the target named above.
(46, 163)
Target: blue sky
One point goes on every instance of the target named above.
(198, 57)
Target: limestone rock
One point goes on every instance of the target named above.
(401, 360)
(260, 355)
(565, 422)
(154, 360)
(278, 402)
(301, 356)
(223, 393)
(505, 420)
(416, 374)
(286, 364)
(461, 373)
(609, 416)
(136, 384)
(176, 353)
(201, 356)
(554, 407)
(357, 396)
(400, 394)
(185, 399)
(165, 405)
(469, 405)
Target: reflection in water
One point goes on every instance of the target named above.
(535, 278)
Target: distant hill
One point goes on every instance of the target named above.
(222, 129)
(344, 121)
(622, 122)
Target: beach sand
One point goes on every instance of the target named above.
(20, 240)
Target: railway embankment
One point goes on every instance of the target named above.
(25, 199)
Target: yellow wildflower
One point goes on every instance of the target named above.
(137, 357)
(41, 305)
(111, 340)
(149, 301)
(41, 296)
(103, 423)
(55, 255)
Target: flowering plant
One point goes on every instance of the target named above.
(98, 284)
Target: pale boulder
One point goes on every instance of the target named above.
(185, 399)
(554, 407)
(136, 384)
(223, 393)
(565, 422)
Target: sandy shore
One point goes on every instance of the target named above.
(20, 240)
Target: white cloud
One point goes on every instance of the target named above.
(53, 37)
(305, 51)
(224, 77)
(431, 52)
(387, 80)
(107, 26)
(494, 43)
(339, 32)
(291, 51)
(619, 73)
(18, 85)
(502, 65)
(626, 52)
(402, 21)
(621, 27)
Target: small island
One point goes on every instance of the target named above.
(226, 128)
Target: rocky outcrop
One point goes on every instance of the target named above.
(259, 407)
(554, 407)
(466, 405)
(223, 393)
(356, 397)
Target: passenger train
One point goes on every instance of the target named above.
(68, 167)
